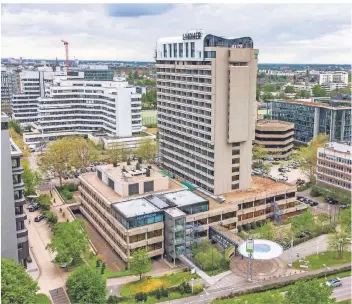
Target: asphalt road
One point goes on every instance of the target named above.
(343, 292)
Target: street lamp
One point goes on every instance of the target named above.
(326, 268)
(192, 282)
(249, 249)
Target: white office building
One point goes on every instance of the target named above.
(74, 106)
(32, 86)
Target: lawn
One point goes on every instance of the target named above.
(329, 258)
(42, 298)
(150, 284)
(271, 296)
(108, 273)
(149, 118)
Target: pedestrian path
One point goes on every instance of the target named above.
(32, 267)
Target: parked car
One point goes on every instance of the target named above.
(313, 204)
(281, 169)
(39, 218)
(33, 207)
(344, 206)
(330, 200)
(335, 282)
(300, 181)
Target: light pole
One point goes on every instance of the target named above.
(326, 268)
(192, 282)
(290, 257)
(249, 250)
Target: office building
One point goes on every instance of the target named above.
(334, 164)
(207, 109)
(332, 117)
(333, 81)
(135, 208)
(32, 86)
(9, 87)
(99, 75)
(14, 234)
(276, 137)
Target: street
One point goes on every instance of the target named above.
(343, 292)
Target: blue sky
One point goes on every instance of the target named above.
(291, 33)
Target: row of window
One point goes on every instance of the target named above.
(346, 185)
(176, 50)
(195, 71)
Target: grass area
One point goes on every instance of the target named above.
(42, 298)
(149, 118)
(271, 296)
(67, 191)
(108, 273)
(329, 258)
(149, 284)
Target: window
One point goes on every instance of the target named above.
(235, 186)
(175, 49)
(235, 169)
(133, 189)
(149, 186)
(99, 174)
(111, 183)
(170, 50)
(15, 163)
(235, 178)
(210, 54)
(235, 152)
(235, 144)
(235, 161)
(180, 49)
(186, 44)
(165, 51)
(192, 49)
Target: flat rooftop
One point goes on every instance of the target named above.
(264, 123)
(174, 212)
(104, 190)
(132, 174)
(135, 207)
(317, 104)
(184, 198)
(339, 147)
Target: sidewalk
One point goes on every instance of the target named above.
(32, 267)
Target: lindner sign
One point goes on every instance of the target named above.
(190, 36)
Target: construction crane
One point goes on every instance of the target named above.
(66, 49)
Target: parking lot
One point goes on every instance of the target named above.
(292, 175)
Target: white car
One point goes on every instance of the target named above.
(335, 282)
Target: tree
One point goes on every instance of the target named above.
(308, 155)
(338, 242)
(302, 223)
(266, 231)
(267, 96)
(303, 94)
(140, 261)
(318, 91)
(17, 286)
(59, 154)
(86, 286)
(44, 201)
(146, 149)
(118, 153)
(257, 94)
(289, 89)
(259, 152)
(308, 292)
(345, 221)
(70, 241)
(282, 95)
(16, 126)
(30, 179)
(84, 152)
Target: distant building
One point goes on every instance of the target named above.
(334, 166)
(9, 86)
(333, 80)
(313, 117)
(276, 137)
(99, 75)
(14, 234)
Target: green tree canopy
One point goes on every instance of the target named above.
(289, 89)
(70, 241)
(303, 94)
(318, 91)
(257, 94)
(16, 126)
(147, 149)
(308, 155)
(44, 201)
(345, 221)
(86, 286)
(308, 292)
(302, 223)
(338, 242)
(259, 152)
(17, 286)
(30, 179)
(267, 96)
(266, 231)
(140, 261)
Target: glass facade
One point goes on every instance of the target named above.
(104, 75)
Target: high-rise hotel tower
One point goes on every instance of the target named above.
(206, 87)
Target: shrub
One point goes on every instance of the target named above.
(254, 225)
(164, 292)
(239, 228)
(66, 194)
(158, 294)
(315, 191)
(44, 201)
(198, 288)
(51, 217)
(113, 300)
(72, 187)
(247, 227)
(141, 297)
(184, 288)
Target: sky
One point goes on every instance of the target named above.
(283, 33)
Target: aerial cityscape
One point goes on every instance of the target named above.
(150, 160)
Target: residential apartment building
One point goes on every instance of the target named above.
(333, 80)
(143, 208)
(14, 234)
(32, 86)
(207, 109)
(332, 117)
(276, 137)
(334, 165)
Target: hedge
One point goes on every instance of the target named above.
(284, 284)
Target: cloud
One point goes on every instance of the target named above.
(290, 33)
(137, 10)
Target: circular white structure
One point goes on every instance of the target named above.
(263, 250)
